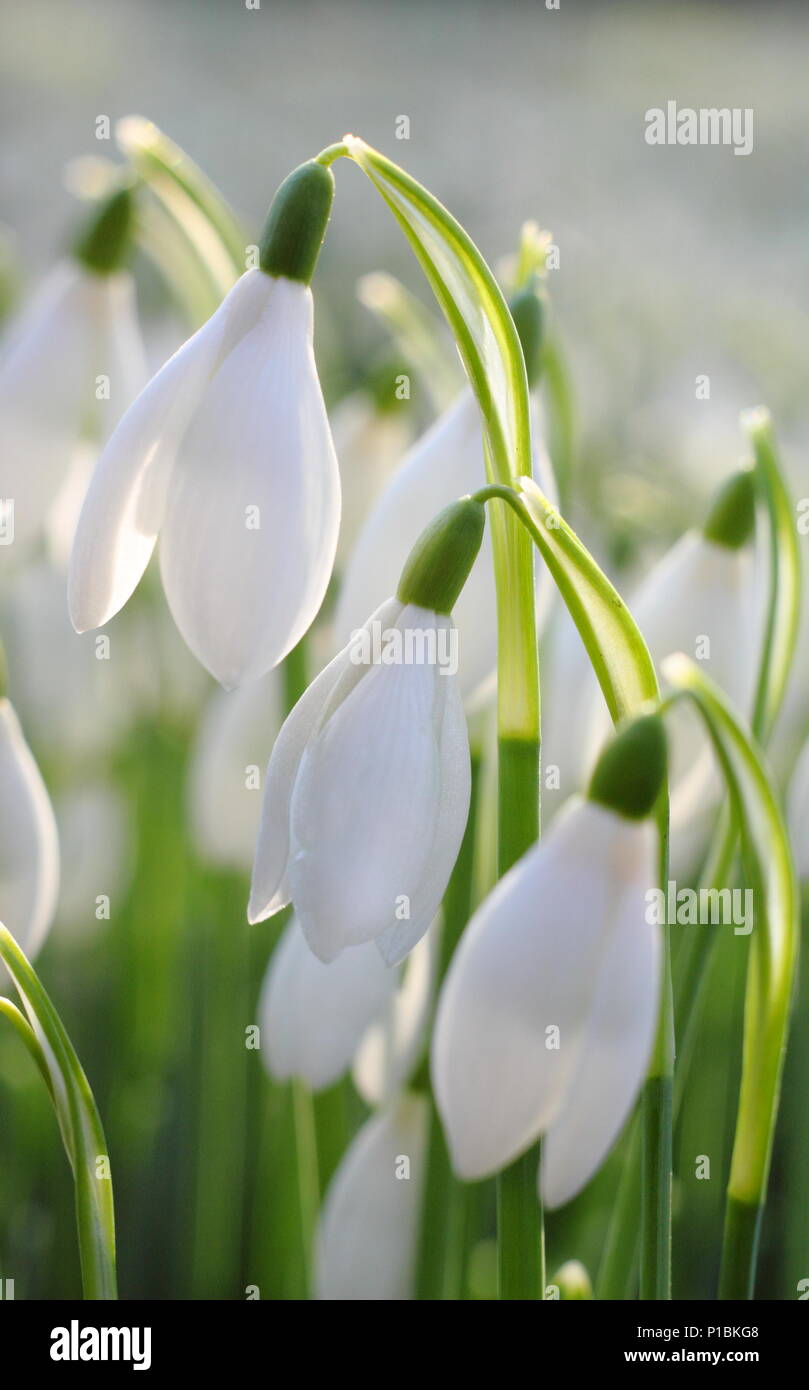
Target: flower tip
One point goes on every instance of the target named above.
(630, 771)
(731, 518)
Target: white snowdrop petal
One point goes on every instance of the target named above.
(313, 1015)
(29, 847)
(368, 1233)
(616, 1050)
(253, 509)
(365, 806)
(392, 1046)
(47, 379)
(270, 890)
(124, 506)
(398, 939)
(527, 965)
(233, 745)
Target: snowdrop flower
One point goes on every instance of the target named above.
(445, 463)
(29, 848)
(227, 455)
(232, 746)
(78, 341)
(367, 790)
(700, 598)
(371, 437)
(369, 1226)
(547, 1017)
(313, 1016)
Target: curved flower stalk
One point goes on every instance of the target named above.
(366, 1245)
(547, 1018)
(313, 1016)
(367, 790)
(233, 743)
(228, 456)
(41, 1031)
(72, 365)
(771, 969)
(29, 846)
(446, 463)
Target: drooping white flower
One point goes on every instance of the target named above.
(313, 1016)
(228, 456)
(367, 792)
(445, 463)
(233, 743)
(29, 848)
(71, 367)
(700, 598)
(547, 1016)
(369, 1226)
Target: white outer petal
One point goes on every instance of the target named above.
(453, 812)
(529, 960)
(364, 818)
(124, 506)
(368, 1234)
(616, 1050)
(29, 847)
(392, 1046)
(236, 732)
(47, 380)
(270, 888)
(258, 449)
(312, 1016)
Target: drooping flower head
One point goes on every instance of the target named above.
(227, 456)
(367, 790)
(72, 365)
(546, 1020)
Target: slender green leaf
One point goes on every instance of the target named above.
(772, 961)
(784, 598)
(614, 643)
(78, 1117)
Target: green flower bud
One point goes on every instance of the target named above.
(296, 223)
(630, 771)
(528, 312)
(438, 565)
(732, 515)
(105, 245)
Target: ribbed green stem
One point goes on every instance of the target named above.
(655, 1254)
(442, 1253)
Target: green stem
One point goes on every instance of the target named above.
(740, 1248)
(442, 1254)
(521, 1243)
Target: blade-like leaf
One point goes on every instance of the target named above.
(614, 644)
(784, 599)
(78, 1117)
(772, 962)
